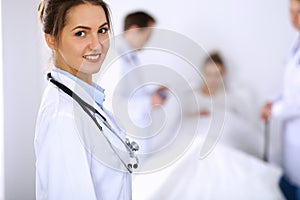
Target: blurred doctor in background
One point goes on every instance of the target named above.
(286, 106)
(129, 90)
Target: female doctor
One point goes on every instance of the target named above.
(80, 152)
(287, 107)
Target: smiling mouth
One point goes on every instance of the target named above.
(92, 58)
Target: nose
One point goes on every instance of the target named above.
(95, 43)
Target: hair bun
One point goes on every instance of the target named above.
(41, 10)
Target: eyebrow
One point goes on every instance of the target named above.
(88, 28)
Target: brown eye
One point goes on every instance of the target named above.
(80, 34)
(103, 30)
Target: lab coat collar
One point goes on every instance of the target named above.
(108, 157)
(75, 87)
(126, 51)
(295, 46)
(95, 91)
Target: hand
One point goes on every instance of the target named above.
(204, 113)
(266, 111)
(159, 97)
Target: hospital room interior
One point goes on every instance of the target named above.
(202, 149)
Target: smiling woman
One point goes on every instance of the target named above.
(82, 43)
(73, 128)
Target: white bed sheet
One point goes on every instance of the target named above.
(226, 173)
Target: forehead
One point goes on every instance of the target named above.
(86, 14)
(210, 66)
(295, 4)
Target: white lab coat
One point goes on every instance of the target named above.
(73, 159)
(287, 107)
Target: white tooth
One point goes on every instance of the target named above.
(92, 57)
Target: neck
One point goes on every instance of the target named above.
(131, 39)
(82, 76)
(208, 91)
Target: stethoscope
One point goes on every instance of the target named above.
(131, 147)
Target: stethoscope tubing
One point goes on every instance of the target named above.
(88, 109)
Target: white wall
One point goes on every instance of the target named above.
(1, 117)
(254, 37)
(22, 92)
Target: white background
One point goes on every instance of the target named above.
(1, 118)
(254, 37)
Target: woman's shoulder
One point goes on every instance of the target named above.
(55, 115)
(55, 105)
(55, 101)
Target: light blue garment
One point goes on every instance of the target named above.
(95, 91)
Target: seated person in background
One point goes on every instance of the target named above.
(229, 109)
(212, 95)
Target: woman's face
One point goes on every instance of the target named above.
(213, 76)
(83, 42)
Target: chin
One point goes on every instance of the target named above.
(91, 68)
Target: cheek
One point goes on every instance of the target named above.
(298, 18)
(72, 54)
(105, 46)
(214, 80)
(72, 48)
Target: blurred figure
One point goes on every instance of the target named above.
(286, 106)
(211, 93)
(131, 97)
(228, 108)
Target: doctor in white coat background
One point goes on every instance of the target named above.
(286, 106)
(80, 152)
(126, 80)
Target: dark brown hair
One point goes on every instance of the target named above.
(215, 57)
(52, 13)
(140, 19)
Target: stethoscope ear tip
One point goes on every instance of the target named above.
(49, 76)
(135, 166)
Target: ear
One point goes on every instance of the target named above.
(50, 40)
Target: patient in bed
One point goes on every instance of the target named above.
(179, 171)
(230, 109)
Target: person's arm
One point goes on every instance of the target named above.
(62, 169)
(286, 110)
(159, 97)
(266, 110)
(139, 110)
(279, 108)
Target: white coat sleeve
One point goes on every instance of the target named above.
(139, 110)
(286, 110)
(62, 169)
(137, 107)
